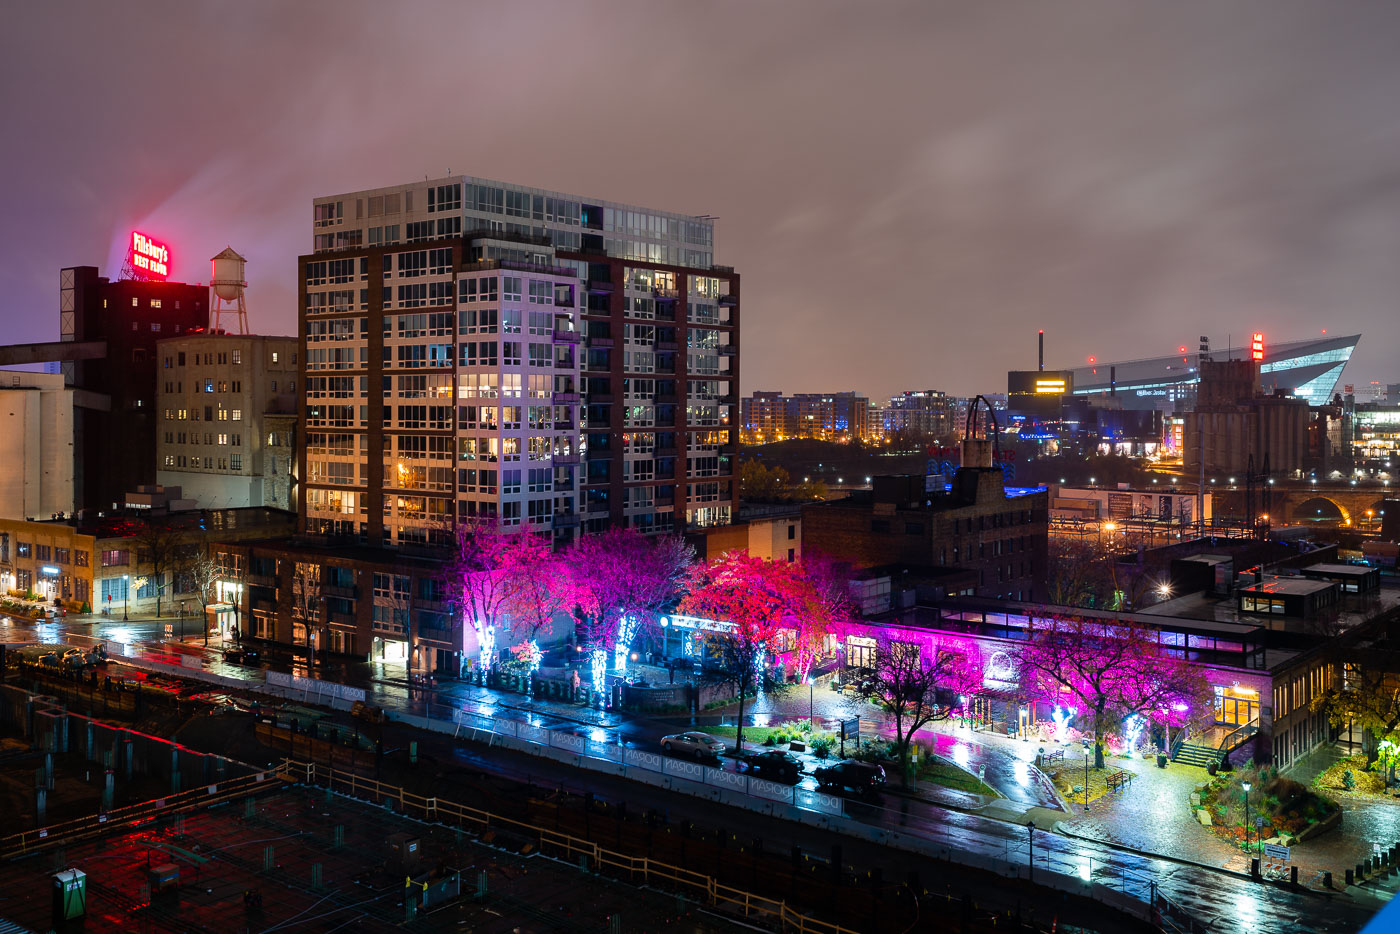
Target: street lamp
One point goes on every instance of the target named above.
(811, 698)
(1086, 775)
(1245, 786)
(126, 595)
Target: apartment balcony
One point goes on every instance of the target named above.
(261, 580)
(565, 520)
(667, 345)
(666, 398)
(600, 342)
(348, 593)
(432, 606)
(429, 634)
(599, 398)
(564, 426)
(601, 286)
(561, 398)
(665, 295)
(728, 350)
(563, 336)
(664, 452)
(566, 459)
(729, 301)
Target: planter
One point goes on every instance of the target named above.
(1161, 761)
(797, 746)
(1321, 827)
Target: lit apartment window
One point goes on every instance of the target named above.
(155, 303)
(155, 327)
(237, 415)
(133, 301)
(274, 356)
(237, 356)
(236, 461)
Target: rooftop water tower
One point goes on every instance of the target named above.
(227, 285)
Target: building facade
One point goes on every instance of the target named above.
(36, 464)
(216, 395)
(114, 438)
(475, 349)
(379, 604)
(973, 523)
(926, 413)
(108, 564)
(839, 416)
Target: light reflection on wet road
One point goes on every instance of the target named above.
(1228, 902)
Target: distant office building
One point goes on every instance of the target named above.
(838, 416)
(36, 462)
(216, 394)
(115, 424)
(1308, 369)
(926, 413)
(546, 361)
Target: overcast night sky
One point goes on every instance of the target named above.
(909, 190)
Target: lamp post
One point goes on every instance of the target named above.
(1245, 786)
(1086, 775)
(811, 699)
(126, 595)
(1030, 850)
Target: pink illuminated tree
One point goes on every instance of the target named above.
(823, 608)
(748, 600)
(1110, 670)
(914, 682)
(489, 570)
(536, 589)
(616, 583)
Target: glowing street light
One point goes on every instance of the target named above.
(1245, 786)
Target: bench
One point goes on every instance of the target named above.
(1054, 755)
(1120, 779)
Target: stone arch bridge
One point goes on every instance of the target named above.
(1286, 498)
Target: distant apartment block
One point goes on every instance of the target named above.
(924, 413)
(840, 416)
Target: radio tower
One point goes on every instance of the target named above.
(227, 285)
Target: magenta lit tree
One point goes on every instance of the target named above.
(824, 609)
(914, 683)
(1109, 670)
(749, 600)
(616, 583)
(536, 591)
(489, 568)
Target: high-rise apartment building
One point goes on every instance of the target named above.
(927, 413)
(477, 349)
(829, 416)
(220, 439)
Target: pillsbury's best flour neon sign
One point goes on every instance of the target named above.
(150, 257)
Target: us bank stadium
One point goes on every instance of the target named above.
(1308, 369)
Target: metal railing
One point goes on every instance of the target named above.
(563, 846)
(71, 831)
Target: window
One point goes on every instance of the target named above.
(114, 559)
(23, 549)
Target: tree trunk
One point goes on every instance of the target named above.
(739, 727)
(1098, 750)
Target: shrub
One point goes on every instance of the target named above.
(769, 741)
(822, 744)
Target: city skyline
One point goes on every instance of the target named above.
(1002, 201)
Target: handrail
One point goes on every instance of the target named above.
(27, 841)
(1248, 729)
(561, 844)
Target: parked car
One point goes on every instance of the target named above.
(860, 777)
(697, 744)
(776, 765)
(241, 655)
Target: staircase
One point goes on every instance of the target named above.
(1191, 754)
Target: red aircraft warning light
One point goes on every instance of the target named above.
(1256, 346)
